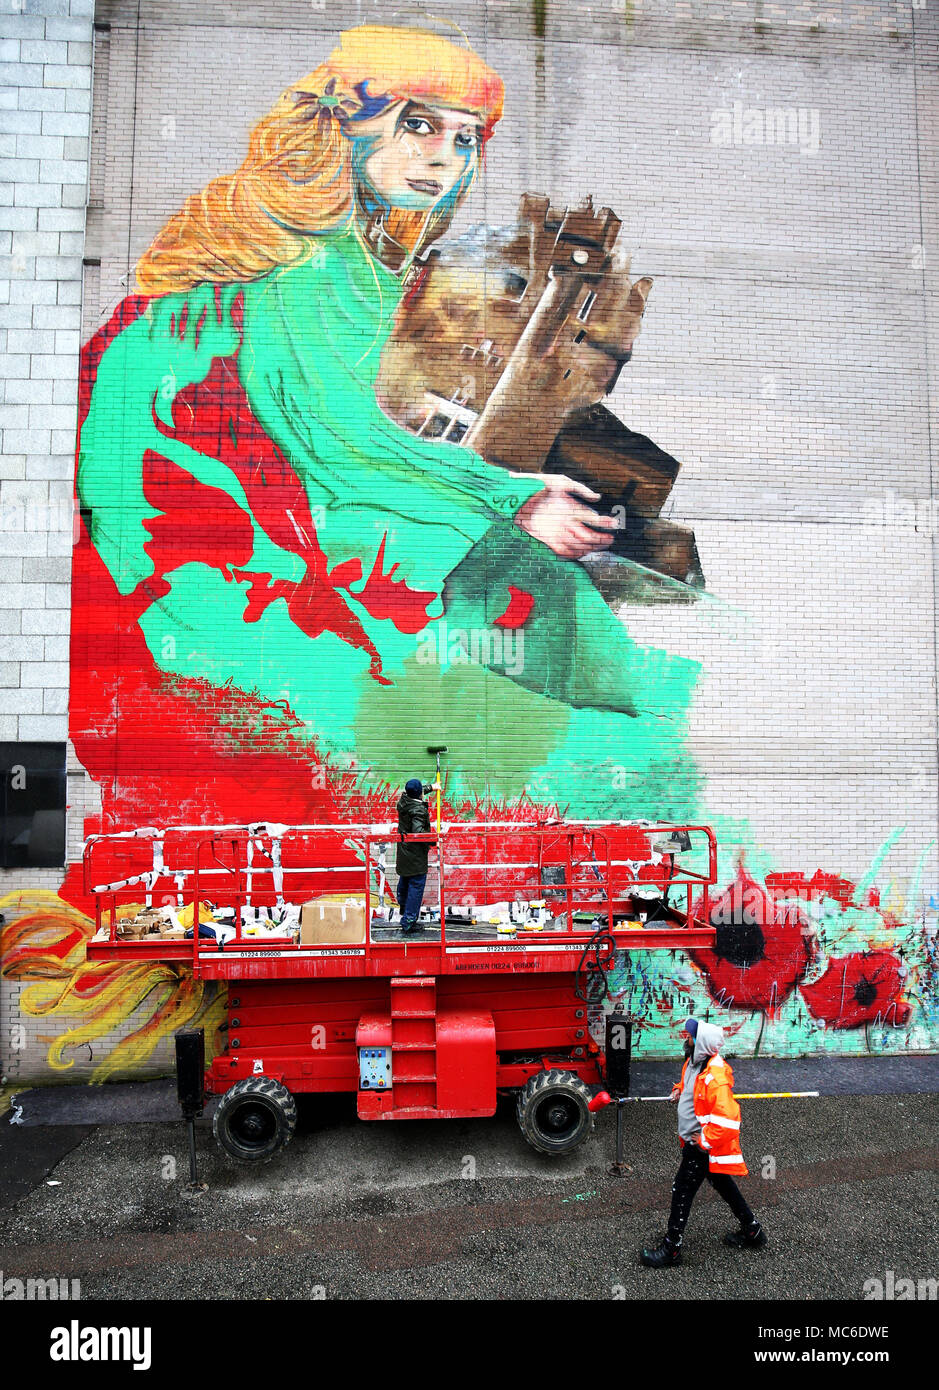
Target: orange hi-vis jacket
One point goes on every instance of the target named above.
(718, 1114)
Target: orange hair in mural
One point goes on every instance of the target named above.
(297, 179)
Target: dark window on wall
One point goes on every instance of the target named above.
(33, 806)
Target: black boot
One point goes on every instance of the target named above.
(665, 1253)
(751, 1237)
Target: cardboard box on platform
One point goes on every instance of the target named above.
(147, 920)
(325, 920)
(131, 931)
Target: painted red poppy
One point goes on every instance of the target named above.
(762, 951)
(861, 988)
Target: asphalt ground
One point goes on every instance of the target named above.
(846, 1186)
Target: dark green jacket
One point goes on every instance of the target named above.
(413, 819)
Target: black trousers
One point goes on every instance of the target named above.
(691, 1174)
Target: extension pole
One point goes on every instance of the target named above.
(751, 1095)
(603, 1098)
(776, 1095)
(438, 793)
(437, 749)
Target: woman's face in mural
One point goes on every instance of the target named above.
(420, 153)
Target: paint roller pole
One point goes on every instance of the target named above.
(603, 1099)
(776, 1095)
(437, 749)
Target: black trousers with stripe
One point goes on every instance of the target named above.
(691, 1174)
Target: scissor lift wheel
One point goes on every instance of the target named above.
(255, 1119)
(552, 1111)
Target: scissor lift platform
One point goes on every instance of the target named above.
(430, 1025)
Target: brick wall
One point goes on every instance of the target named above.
(787, 358)
(46, 77)
(45, 100)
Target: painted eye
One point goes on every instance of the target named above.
(467, 140)
(418, 126)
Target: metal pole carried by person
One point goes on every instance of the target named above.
(742, 1095)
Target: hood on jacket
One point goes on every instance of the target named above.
(409, 803)
(708, 1041)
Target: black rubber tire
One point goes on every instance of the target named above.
(552, 1112)
(255, 1119)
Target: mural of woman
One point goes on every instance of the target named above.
(281, 597)
(274, 575)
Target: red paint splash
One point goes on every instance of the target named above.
(519, 609)
(386, 597)
(820, 885)
(196, 522)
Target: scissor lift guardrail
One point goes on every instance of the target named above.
(581, 869)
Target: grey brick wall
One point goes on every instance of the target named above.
(45, 91)
(44, 118)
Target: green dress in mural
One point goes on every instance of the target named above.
(466, 630)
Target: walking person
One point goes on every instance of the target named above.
(411, 859)
(709, 1134)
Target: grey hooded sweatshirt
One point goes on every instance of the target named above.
(707, 1044)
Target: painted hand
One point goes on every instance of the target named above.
(556, 517)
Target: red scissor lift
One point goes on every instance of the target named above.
(433, 1026)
